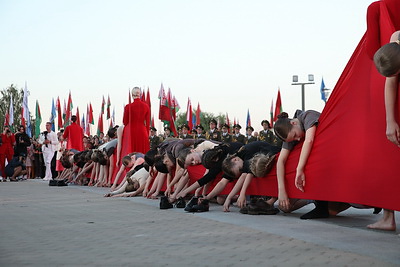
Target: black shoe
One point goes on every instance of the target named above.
(320, 211)
(191, 203)
(260, 207)
(202, 206)
(377, 210)
(244, 210)
(180, 204)
(164, 203)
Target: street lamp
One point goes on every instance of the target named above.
(296, 82)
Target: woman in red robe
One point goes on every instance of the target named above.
(136, 122)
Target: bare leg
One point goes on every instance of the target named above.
(157, 185)
(387, 222)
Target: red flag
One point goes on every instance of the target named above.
(189, 114)
(7, 120)
(198, 111)
(91, 118)
(100, 125)
(108, 107)
(228, 123)
(164, 113)
(60, 122)
(278, 106)
(68, 111)
(103, 103)
(149, 102)
(78, 119)
(152, 121)
(142, 95)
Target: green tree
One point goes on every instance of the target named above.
(205, 118)
(17, 95)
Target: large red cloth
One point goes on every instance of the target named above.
(136, 128)
(74, 135)
(351, 159)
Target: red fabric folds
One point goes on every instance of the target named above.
(351, 160)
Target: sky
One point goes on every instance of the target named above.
(229, 56)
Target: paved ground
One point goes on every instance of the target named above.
(76, 226)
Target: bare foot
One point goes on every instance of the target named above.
(383, 225)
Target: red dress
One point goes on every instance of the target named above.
(136, 131)
(6, 150)
(74, 133)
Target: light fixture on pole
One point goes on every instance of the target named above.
(296, 82)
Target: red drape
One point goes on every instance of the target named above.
(351, 160)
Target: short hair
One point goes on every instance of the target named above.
(387, 59)
(261, 164)
(282, 126)
(134, 90)
(73, 118)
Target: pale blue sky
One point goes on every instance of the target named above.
(229, 56)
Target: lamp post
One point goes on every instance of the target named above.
(296, 82)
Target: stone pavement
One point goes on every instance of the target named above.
(77, 226)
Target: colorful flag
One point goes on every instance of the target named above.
(83, 124)
(100, 125)
(108, 107)
(322, 90)
(68, 112)
(38, 120)
(103, 103)
(228, 123)
(87, 126)
(53, 115)
(91, 118)
(25, 118)
(271, 112)
(189, 114)
(198, 112)
(278, 106)
(60, 120)
(248, 120)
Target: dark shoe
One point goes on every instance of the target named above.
(377, 210)
(191, 203)
(244, 210)
(260, 207)
(202, 206)
(164, 203)
(320, 211)
(180, 204)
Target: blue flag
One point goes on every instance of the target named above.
(322, 90)
(248, 121)
(53, 115)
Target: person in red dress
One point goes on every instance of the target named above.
(136, 122)
(74, 135)
(6, 148)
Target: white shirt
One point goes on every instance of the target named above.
(52, 137)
